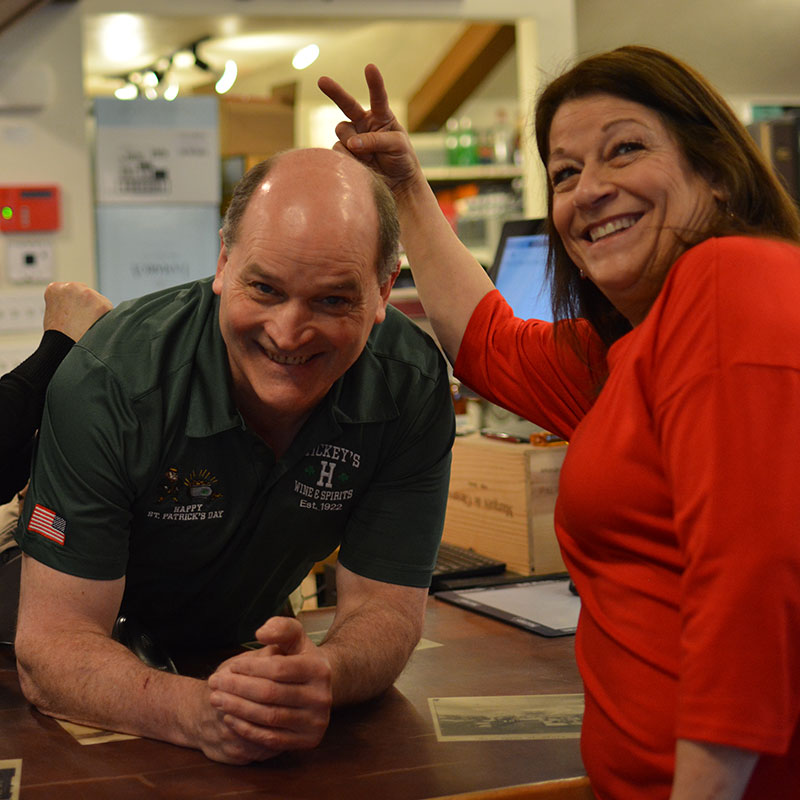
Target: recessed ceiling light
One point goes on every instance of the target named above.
(121, 37)
(305, 56)
(248, 43)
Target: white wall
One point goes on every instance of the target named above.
(47, 146)
(747, 48)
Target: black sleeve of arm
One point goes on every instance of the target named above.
(22, 393)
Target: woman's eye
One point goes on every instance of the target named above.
(624, 148)
(560, 175)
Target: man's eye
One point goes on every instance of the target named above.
(334, 301)
(263, 288)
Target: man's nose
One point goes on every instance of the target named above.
(290, 325)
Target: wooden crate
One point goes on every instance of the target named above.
(501, 501)
(254, 127)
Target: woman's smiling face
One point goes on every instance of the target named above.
(624, 197)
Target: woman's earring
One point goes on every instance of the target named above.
(582, 274)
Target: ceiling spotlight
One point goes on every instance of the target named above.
(122, 37)
(305, 56)
(228, 77)
(183, 59)
(171, 92)
(150, 79)
(126, 92)
(150, 93)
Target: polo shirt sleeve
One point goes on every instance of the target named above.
(727, 391)
(522, 365)
(393, 534)
(77, 512)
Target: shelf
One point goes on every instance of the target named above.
(479, 172)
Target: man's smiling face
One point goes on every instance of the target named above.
(298, 289)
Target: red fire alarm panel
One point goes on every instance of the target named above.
(29, 209)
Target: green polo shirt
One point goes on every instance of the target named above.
(145, 469)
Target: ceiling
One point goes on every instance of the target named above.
(116, 44)
(746, 47)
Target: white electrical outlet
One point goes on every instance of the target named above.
(29, 261)
(21, 312)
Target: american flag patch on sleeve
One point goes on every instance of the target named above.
(48, 524)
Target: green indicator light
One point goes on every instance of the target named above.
(7, 212)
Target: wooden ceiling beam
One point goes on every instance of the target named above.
(460, 72)
(12, 11)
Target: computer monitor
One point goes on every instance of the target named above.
(519, 268)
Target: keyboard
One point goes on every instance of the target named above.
(461, 562)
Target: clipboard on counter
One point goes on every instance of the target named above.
(543, 604)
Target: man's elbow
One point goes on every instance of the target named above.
(32, 667)
(31, 689)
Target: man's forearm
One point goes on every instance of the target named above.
(90, 679)
(367, 651)
(365, 661)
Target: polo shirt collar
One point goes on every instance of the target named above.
(361, 395)
(211, 407)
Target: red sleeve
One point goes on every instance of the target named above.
(727, 388)
(522, 366)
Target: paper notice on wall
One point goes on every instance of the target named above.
(139, 165)
(143, 249)
(157, 151)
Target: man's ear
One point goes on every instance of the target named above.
(222, 260)
(385, 290)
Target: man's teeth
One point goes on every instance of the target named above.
(292, 360)
(611, 227)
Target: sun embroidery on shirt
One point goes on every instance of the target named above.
(200, 486)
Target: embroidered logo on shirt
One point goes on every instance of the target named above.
(327, 478)
(170, 486)
(200, 485)
(48, 524)
(189, 497)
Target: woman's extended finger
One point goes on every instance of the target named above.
(349, 106)
(378, 99)
(344, 130)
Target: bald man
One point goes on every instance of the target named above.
(204, 446)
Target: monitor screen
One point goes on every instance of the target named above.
(519, 269)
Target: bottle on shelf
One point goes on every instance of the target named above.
(467, 143)
(451, 142)
(503, 136)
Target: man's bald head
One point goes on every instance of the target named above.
(322, 171)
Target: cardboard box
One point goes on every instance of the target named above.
(501, 502)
